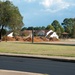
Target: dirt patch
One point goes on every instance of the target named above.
(29, 39)
(18, 38)
(53, 39)
(8, 38)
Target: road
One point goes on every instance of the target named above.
(42, 66)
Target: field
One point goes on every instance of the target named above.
(37, 49)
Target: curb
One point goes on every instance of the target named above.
(8, 72)
(53, 58)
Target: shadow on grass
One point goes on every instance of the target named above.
(56, 44)
(44, 43)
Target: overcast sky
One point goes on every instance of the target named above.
(43, 12)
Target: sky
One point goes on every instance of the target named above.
(44, 12)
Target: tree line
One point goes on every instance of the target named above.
(68, 26)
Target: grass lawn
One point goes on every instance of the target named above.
(37, 49)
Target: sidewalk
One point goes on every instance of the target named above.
(10, 72)
(54, 58)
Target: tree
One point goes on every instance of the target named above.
(29, 28)
(24, 28)
(61, 28)
(56, 24)
(57, 27)
(36, 28)
(73, 32)
(10, 17)
(69, 24)
(43, 27)
(4, 32)
(59, 32)
(50, 27)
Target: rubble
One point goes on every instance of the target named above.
(29, 39)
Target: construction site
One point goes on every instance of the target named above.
(41, 37)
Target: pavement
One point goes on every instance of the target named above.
(54, 58)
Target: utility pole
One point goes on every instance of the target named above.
(32, 35)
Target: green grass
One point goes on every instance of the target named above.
(37, 49)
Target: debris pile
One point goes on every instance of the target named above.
(37, 39)
(29, 39)
(8, 38)
(18, 38)
(53, 39)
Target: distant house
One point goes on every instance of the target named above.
(26, 32)
(65, 35)
(41, 33)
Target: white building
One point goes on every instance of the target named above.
(54, 35)
(10, 34)
(51, 34)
